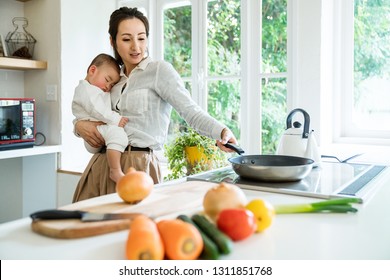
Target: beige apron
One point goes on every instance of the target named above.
(95, 180)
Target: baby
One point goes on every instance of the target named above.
(92, 102)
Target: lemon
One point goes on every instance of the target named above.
(263, 211)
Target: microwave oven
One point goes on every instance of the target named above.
(17, 123)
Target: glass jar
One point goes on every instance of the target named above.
(20, 43)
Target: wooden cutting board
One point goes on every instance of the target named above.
(73, 228)
(164, 201)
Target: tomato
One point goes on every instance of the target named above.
(263, 211)
(237, 223)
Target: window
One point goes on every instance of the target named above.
(211, 73)
(223, 72)
(204, 41)
(365, 81)
(177, 49)
(274, 72)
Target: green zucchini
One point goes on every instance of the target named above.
(210, 249)
(223, 242)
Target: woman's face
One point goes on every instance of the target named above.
(131, 42)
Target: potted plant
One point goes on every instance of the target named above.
(190, 153)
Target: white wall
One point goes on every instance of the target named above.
(44, 25)
(305, 75)
(11, 82)
(84, 34)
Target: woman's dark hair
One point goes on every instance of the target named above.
(117, 17)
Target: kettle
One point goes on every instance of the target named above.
(297, 141)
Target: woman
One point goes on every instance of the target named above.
(145, 95)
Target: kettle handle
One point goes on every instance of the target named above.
(306, 125)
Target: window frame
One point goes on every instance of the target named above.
(250, 71)
(344, 129)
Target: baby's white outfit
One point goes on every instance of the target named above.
(93, 104)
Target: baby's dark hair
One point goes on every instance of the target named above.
(117, 17)
(103, 58)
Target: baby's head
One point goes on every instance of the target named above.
(103, 72)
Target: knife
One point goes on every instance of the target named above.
(82, 215)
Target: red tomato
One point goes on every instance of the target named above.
(237, 223)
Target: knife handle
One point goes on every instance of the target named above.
(56, 215)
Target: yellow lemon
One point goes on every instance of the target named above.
(263, 211)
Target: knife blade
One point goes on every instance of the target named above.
(84, 216)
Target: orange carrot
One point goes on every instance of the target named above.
(182, 241)
(144, 241)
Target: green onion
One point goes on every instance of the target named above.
(341, 205)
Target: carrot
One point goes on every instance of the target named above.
(182, 241)
(144, 241)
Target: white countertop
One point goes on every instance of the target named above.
(36, 150)
(354, 236)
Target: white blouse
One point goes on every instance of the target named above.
(147, 96)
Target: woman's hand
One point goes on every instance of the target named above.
(88, 131)
(226, 136)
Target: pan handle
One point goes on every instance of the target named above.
(235, 148)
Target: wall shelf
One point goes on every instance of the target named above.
(11, 63)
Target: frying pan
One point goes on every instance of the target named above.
(270, 168)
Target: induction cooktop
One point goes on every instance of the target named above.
(329, 180)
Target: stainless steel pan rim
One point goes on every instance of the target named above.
(271, 168)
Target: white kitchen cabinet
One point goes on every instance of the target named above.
(28, 181)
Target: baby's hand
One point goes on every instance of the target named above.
(123, 122)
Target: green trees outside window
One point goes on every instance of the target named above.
(223, 63)
(371, 64)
